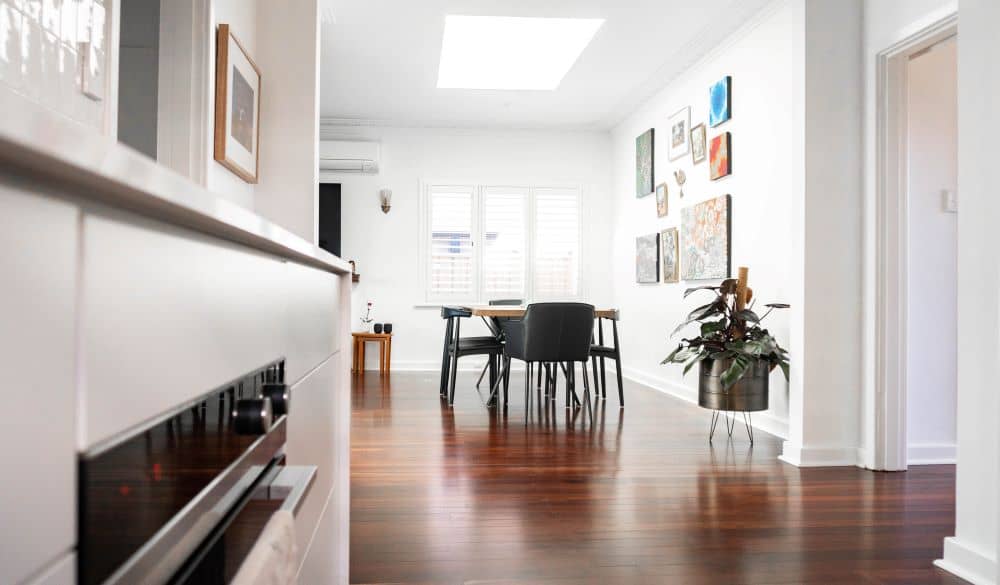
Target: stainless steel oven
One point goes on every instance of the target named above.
(183, 499)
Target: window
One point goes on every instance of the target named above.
(482, 242)
(452, 262)
(557, 243)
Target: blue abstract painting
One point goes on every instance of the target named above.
(720, 101)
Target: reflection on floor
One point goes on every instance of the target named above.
(607, 495)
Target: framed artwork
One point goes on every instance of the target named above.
(237, 107)
(661, 200)
(698, 152)
(720, 156)
(720, 101)
(680, 134)
(705, 243)
(644, 164)
(669, 248)
(647, 259)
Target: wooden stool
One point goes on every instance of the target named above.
(384, 341)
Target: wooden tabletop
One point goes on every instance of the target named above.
(367, 335)
(518, 311)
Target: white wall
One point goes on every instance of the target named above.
(932, 250)
(385, 245)
(973, 551)
(886, 23)
(761, 61)
(241, 16)
(826, 228)
(288, 51)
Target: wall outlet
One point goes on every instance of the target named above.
(949, 201)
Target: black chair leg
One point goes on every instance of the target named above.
(451, 384)
(482, 374)
(597, 383)
(506, 379)
(539, 385)
(527, 387)
(445, 359)
(604, 381)
(618, 370)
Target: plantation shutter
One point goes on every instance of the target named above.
(505, 243)
(452, 256)
(556, 269)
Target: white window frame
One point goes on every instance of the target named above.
(478, 190)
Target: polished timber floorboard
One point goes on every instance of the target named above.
(442, 496)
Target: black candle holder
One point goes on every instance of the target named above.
(378, 328)
(387, 328)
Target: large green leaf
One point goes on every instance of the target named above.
(735, 371)
(698, 288)
(713, 327)
(747, 315)
(778, 305)
(784, 369)
(697, 358)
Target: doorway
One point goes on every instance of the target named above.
(138, 75)
(916, 250)
(932, 253)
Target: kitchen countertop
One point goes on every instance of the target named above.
(45, 147)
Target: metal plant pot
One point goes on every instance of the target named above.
(747, 395)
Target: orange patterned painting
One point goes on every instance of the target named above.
(719, 153)
(705, 240)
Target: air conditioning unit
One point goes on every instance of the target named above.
(348, 157)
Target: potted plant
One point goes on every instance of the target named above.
(734, 353)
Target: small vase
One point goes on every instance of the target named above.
(366, 326)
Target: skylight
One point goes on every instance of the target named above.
(506, 52)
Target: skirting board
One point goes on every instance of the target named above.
(760, 420)
(930, 453)
(969, 564)
(819, 456)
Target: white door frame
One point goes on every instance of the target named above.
(891, 234)
(186, 78)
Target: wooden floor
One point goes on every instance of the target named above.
(442, 495)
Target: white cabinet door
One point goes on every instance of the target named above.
(318, 434)
(169, 314)
(313, 298)
(38, 258)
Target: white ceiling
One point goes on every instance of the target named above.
(380, 60)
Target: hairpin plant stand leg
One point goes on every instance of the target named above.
(730, 424)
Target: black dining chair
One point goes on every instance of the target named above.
(497, 303)
(456, 347)
(558, 334)
(600, 351)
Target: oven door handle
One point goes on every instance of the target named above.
(288, 483)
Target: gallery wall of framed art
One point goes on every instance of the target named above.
(737, 209)
(699, 248)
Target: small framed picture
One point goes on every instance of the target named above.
(721, 156)
(698, 152)
(644, 163)
(661, 200)
(237, 107)
(669, 250)
(720, 101)
(680, 134)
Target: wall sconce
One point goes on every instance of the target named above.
(385, 196)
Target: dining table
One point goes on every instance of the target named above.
(492, 315)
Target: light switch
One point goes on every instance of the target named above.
(949, 201)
